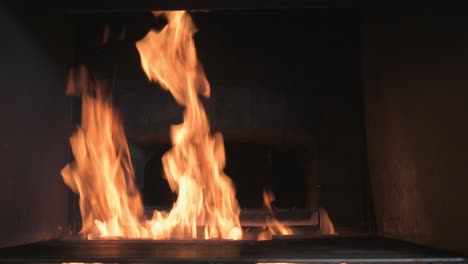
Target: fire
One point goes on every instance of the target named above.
(274, 226)
(194, 166)
(326, 225)
(102, 173)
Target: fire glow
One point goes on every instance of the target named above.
(102, 172)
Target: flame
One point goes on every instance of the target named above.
(194, 166)
(326, 225)
(102, 173)
(274, 226)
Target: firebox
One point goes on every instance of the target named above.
(259, 132)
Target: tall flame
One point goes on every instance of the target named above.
(194, 166)
(102, 173)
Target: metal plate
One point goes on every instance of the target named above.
(328, 250)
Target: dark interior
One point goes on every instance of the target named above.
(360, 110)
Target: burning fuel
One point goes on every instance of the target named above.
(274, 226)
(194, 166)
(102, 173)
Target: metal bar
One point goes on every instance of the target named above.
(86, 6)
(323, 250)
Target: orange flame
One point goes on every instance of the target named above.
(275, 227)
(102, 173)
(326, 225)
(194, 166)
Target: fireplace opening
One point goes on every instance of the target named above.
(321, 155)
(280, 97)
